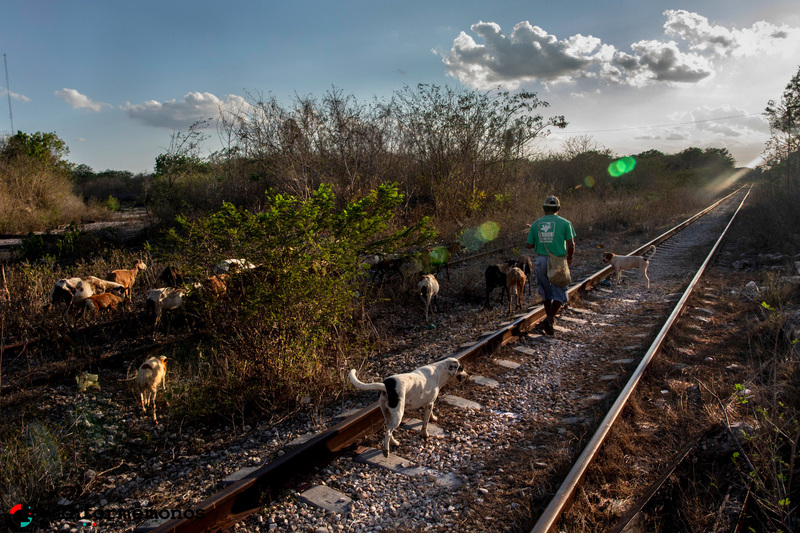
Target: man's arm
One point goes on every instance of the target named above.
(570, 250)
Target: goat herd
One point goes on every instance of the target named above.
(511, 275)
(90, 294)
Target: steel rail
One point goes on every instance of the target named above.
(263, 486)
(548, 521)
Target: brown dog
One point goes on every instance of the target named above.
(630, 262)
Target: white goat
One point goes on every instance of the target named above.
(127, 278)
(74, 290)
(233, 265)
(164, 299)
(151, 374)
(428, 289)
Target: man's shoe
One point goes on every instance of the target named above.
(547, 326)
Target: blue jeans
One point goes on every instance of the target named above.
(547, 290)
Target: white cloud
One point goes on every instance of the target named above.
(657, 61)
(726, 121)
(529, 53)
(80, 101)
(182, 114)
(761, 38)
(14, 96)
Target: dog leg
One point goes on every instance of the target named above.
(619, 276)
(426, 416)
(644, 273)
(392, 423)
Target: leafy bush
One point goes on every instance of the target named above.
(287, 321)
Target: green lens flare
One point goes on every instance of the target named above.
(621, 166)
(588, 181)
(439, 255)
(488, 231)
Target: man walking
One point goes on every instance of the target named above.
(554, 234)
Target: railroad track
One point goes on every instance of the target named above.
(532, 399)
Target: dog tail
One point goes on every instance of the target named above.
(650, 252)
(365, 386)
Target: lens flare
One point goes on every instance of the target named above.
(588, 181)
(488, 231)
(621, 166)
(440, 255)
(475, 238)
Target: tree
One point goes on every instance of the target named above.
(465, 143)
(35, 186)
(783, 147)
(48, 149)
(181, 174)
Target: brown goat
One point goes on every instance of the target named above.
(516, 286)
(96, 302)
(524, 263)
(127, 278)
(216, 285)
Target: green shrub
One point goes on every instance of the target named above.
(288, 321)
(112, 204)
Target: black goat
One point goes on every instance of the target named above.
(496, 277)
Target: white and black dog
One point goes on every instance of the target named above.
(412, 390)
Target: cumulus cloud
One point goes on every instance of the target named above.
(181, 114)
(530, 53)
(760, 38)
(659, 61)
(80, 101)
(15, 96)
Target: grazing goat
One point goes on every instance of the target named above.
(216, 285)
(524, 263)
(171, 277)
(385, 266)
(127, 278)
(515, 280)
(428, 289)
(164, 299)
(74, 290)
(96, 302)
(233, 265)
(496, 277)
(151, 374)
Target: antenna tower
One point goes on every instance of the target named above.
(8, 90)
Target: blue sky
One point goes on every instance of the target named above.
(115, 79)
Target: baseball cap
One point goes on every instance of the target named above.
(551, 201)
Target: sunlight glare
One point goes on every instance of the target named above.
(621, 166)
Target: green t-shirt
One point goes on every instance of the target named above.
(553, 231)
